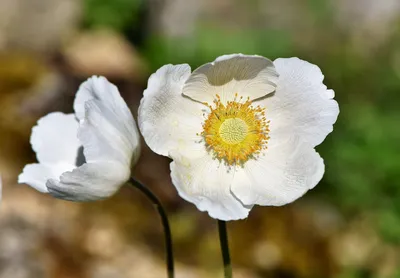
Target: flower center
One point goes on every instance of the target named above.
(233, 131)
(237, 131)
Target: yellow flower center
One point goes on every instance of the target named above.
(237, 131)
(233, 131)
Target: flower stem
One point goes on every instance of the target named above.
(223, 239)
(164, 220)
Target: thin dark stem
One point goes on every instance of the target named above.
(223, 239)
(164, 220)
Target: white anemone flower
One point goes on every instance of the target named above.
(241, 130)
(87, 156)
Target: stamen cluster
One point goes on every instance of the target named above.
(237, 131)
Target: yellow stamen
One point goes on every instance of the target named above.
(236, 131)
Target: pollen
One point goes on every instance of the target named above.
(235, 131)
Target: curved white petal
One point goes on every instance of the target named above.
(55, 141)
(101, 136)
(167, 119)
(110, 142)
(249, 76)
(284, 173)
(89, 182)
(36, 175)
(54, 138)
(107, 129)
(302, 104)
(99, 88)
(205, 182)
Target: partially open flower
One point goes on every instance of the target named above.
(240, 130)
(89, 155)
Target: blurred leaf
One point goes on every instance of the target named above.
(321, 10)
(350, 273)
(389, 224)
(210, 42)
(115, 14)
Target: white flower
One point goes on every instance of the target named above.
(86, 156)
(241, 130)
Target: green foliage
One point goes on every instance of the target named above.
(362, 155)
(208, 42)
(321, 11)
(389, 224)
(397, 274)
(350, 273)
(113, 14)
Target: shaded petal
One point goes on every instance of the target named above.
(167, 119)
(247, 75)
(302, 104)
(99, 88)
(284, 173)
(36, 175)
(101, 136)
(89, 182)
(205, 182)
(107, 131)
(54, 138)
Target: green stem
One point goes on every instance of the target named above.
(164, 220)
(223, 239)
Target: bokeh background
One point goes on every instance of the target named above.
(347, 227)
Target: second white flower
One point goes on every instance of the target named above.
(89, 155)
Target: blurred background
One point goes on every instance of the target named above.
(347, 227)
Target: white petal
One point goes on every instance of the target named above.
(248, 76)
(302, 104)
(107, 131)
(285, 173)
(104, 136)
(205, 182)
(99, 88)
(110, 144)
(54, 138)
(36, 175)
(167, 119)
(89, 182)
